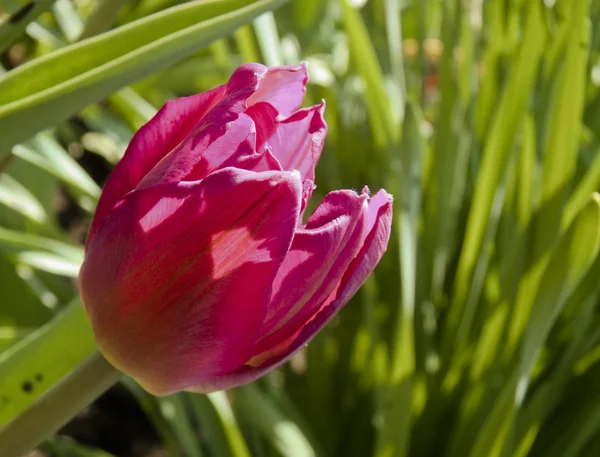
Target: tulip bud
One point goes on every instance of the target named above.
(199, 272)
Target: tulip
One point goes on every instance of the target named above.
(200, 273)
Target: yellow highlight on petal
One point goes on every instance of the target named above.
(259, 359)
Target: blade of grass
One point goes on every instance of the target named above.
(365, 59)
(268, 39)
(45, 152)
(261, 412)
(571, 259)
(560, 157)
(394, 435)
(581, 194)
(443, 167)
(496, 152)
(18, 198)
(215, 415)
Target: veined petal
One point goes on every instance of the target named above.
(227, 135)
(222, 135)
(296, 142)
(216, 146)
(317, 312)
(283, 88)
(171, 125)
(307, 189)
(202, 119)
(318, 258)
(178, 277)
(373, 248)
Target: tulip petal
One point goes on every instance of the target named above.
(215, 147)
(375, 245)
(186, 274)
(207, 113)
(226, 137)
(319, 256)
(296, 142)
(283, 88)
(169, 127)
(307, 189)
(216, 138)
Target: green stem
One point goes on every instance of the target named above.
(62, 402)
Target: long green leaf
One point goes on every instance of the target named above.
(49, 89)
(258, 409)
(569, 263)
(496, 153)
(560, 156)
(32, 366)
(394, 435)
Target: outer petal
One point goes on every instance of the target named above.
(177, 279)
(283, 88)
(319, 256)
(171, 125)
(216, 146)
(296, 142)
(375, 245)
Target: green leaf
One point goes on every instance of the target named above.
(218, 422)
(381, 117)
(268, 39)
(12, 241)
(46, 153)
(49, 89)
(559, 160)
(581, 194)
(18, 198)
(37, 362)
(260, 411)
(102, 18)
(41, 253)
(497, 150)
(173, 408)
(570, 260)
(394, 435)
(52, 263)
(14, 27)
(22, 310)
(162, 424)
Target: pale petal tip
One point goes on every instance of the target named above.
(381, 196)
(384, 195)
(297, 178)
(304, 67)
(292, 178)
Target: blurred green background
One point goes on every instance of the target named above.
(478, 334)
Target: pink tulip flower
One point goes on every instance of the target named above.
(199, 272)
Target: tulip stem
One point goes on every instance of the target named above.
(57, 406)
